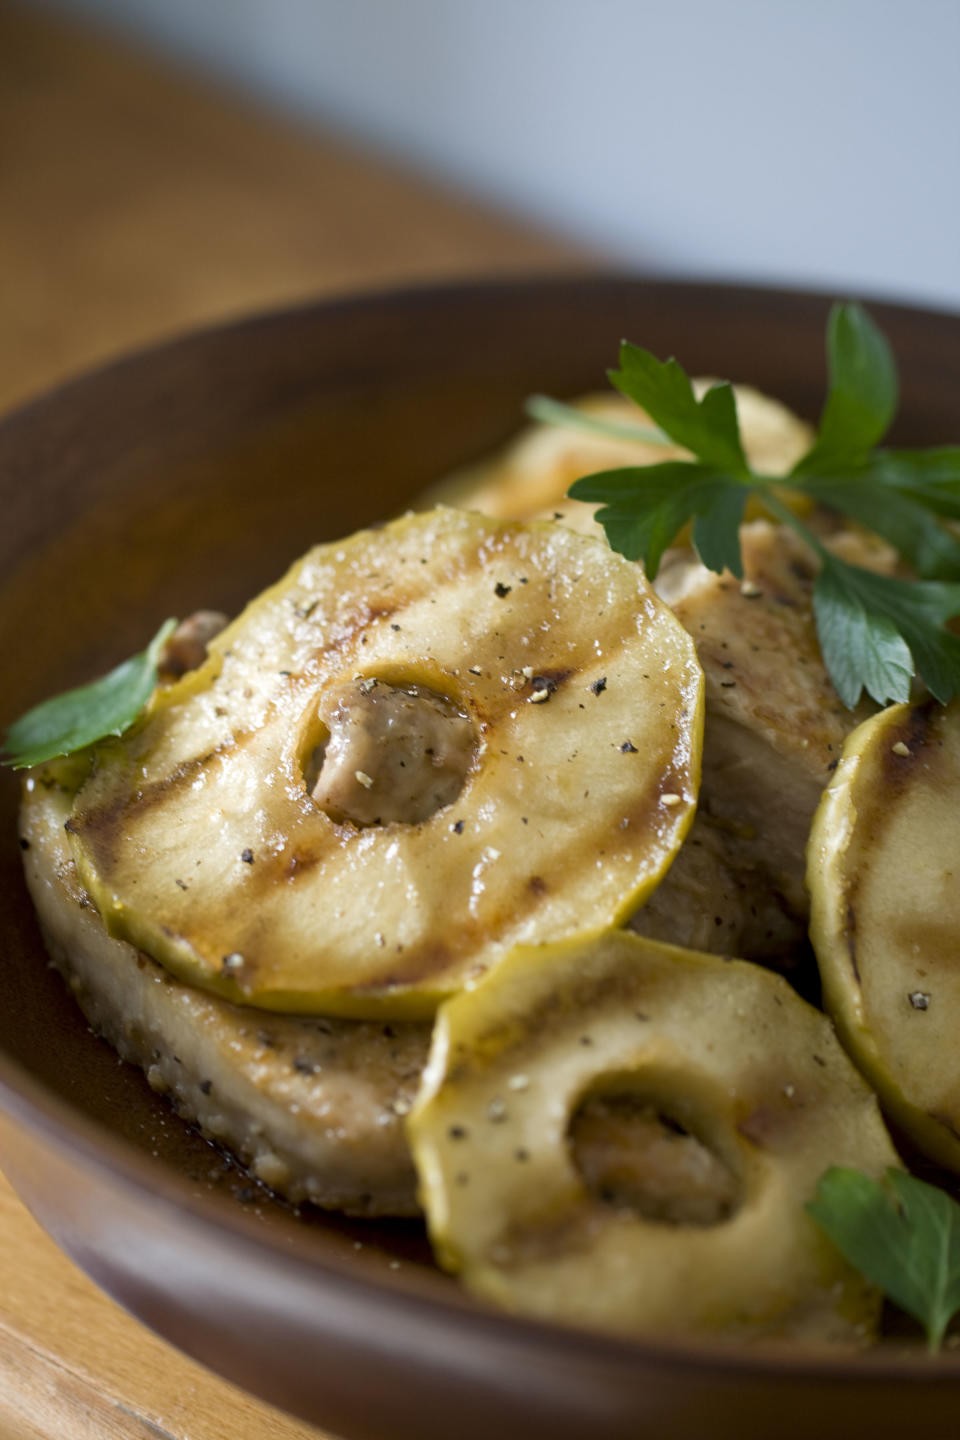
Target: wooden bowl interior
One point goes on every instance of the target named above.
(190, 476)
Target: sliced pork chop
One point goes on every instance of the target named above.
(313, 1106)
(774, 723)
(716, 900)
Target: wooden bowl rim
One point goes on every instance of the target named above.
(41, 1111)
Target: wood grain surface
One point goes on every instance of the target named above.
(136, 201)
(73, 1365)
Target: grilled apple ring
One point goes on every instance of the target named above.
(530, 477)
(256, 833)
(884, 880)
(623, 1135)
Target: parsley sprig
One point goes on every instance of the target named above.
(75, 719)
(903, 1235)
(876, 632)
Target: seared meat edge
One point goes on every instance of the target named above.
(312, 1106)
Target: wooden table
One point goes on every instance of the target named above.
(134, 202)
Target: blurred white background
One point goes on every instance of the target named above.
(804, 142)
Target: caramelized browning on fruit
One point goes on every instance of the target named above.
(556, 806)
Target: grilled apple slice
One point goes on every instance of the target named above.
(259, 834)
(530, 477)
(884, 878)
(623, 1134)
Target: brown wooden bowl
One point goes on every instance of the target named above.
(190, 476)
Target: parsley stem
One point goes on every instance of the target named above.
(786, 516)
(554, 412)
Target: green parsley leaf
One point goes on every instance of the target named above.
(644, 506)
(861, 649)
(903, 1236)
(862, 398)
(707, 427)
(716, 528)
(77, 718)
(875, 632)
(898, 516)
(930, 476)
